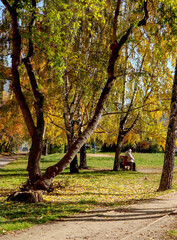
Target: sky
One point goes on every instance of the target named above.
(1, 7)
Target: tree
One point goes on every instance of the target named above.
(125, 114)
(168, 15)
(168, 166)
(36, 126)
(81, 80)
(47, 178)
(149, 87)
(35, 130)
(141, 105)
(137, 105)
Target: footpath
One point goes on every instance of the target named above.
(145, 220)
(5, 159)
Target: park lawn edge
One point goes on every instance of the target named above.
(18, 216)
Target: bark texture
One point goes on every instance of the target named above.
(83, 157)
(168, 166)
(45, 150)
(118, 152)
(34, 170)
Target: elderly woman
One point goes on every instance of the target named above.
(130, 160)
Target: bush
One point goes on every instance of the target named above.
(56, 149)
(147, 146)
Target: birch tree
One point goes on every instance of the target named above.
(47, 178)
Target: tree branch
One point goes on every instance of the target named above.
(16, 54)
(7, 5)
(15, 4)
(123, 120)
(143, 21)
(132, 125)
(117, 11)
(133, 109)
(30, 50)
(37, 94)
(58, 125)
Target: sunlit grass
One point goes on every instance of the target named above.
(171, 234)
(96, 187)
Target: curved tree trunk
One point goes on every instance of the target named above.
(167, 172)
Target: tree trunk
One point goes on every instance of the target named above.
(74, 165)
(34, 170)
(168, 166)
(2, 146)
(83, 157)
(74, 168)
(1, 91)
(45, 147)
(118, 152)
(167, 172)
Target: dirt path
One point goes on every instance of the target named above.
(145, 220)
(6, 159)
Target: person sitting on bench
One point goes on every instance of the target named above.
(129, 160)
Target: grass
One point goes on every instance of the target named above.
(149, 160)
(173, 234)
(93, 188)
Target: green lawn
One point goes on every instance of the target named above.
(172, 234)
(96, 187)
(143, 160)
